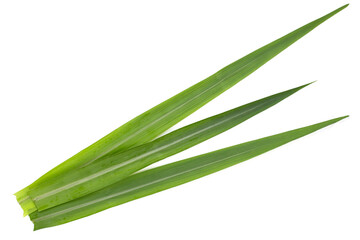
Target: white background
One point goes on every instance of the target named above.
(72, 71)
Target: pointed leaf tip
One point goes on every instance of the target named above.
(346, 116)
(305, 85)
(334, 120)
(294, 90)
(341, 118)
(337, 10)
(342, 7)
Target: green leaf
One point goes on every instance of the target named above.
(110, 169)
(164, 177)
(155, 121)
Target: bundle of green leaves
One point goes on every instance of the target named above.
(105, 174)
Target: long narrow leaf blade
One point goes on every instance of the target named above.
(109, 170)
(164, 177)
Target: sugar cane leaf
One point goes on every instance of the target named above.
(150, 124)
(164, 177)
(111, 169)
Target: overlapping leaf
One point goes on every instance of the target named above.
(158, 179)
(110, 169)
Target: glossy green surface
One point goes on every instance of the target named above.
(110, 169)
(155, 121)
(158, 179)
